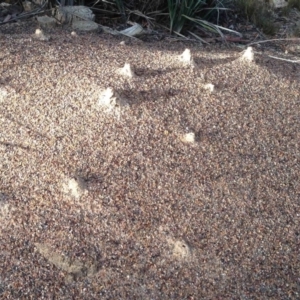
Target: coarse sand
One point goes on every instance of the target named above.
(174, 179)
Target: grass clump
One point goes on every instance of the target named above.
(181, 10)
(185, 14)
(294, 4)
(179, 16)
(259, 13)
(291, 4)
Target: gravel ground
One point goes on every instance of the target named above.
(170, 191)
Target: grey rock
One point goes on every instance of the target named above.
(46, 22)
(85, 26)
(70, 14)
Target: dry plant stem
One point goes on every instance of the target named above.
(26, 15)
(284, 59)
(273, 40)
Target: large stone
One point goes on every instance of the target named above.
(28, 6)
(85, 26)
(278, 3)
(275, 3)
(70, 14)
(46, 22)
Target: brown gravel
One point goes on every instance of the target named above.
(157, 214)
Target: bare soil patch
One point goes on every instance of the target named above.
(186, 192)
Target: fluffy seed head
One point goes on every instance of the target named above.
(248, 54)
(126, 71)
